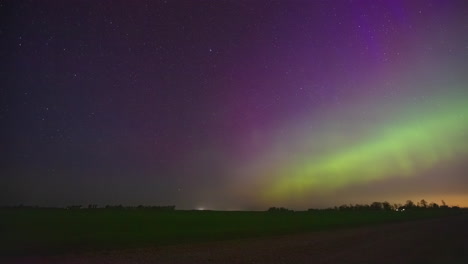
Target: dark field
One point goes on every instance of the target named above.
(58, 231)
(436, 241)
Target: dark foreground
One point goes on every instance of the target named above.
(441, 240)
(31, 232)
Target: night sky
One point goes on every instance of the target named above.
(233, 104)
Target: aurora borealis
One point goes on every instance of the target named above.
(398, 149)
(234, 104)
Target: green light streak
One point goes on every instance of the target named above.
(401, 150)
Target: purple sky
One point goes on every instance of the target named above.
(186, 102)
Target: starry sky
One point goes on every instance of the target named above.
(233, 105)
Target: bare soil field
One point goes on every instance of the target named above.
(442, 240)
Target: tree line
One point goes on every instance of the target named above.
(95, 206)
(378, 206)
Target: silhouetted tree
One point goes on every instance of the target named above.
(387, 206)
(423, 203)
(343, 207)
(409, 204)
(279, 210)
(376, 206)
(444, 205)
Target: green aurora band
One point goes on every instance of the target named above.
(401, 149)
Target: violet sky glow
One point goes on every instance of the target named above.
(234, 104)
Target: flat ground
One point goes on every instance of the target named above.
(442, 240)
